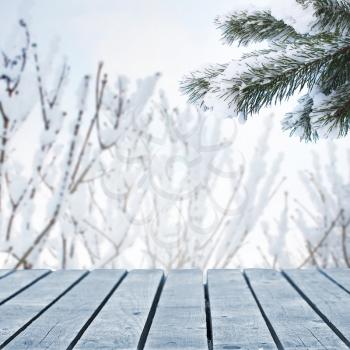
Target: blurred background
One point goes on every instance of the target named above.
(104, 164)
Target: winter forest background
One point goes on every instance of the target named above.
(103, 164)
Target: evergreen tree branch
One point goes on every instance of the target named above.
(246, 28)
(326, 114)
(317, 62)
(274, 79)
(332, 112)
(198, 83)
(298, 122)
(332, 15)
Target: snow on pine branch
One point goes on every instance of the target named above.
(304, 49)
(299, 15)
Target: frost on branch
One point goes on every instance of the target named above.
(324, 220)
(306, 50)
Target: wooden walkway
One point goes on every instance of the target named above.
(143, 309)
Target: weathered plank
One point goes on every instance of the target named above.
(180, 319)
(237, 322)
(291, 320)
(58, 327)
(4, 273)
(331, 301)
(123, 321)
(18, 281)
(340, 276)
(29, 304)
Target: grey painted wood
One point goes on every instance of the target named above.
(332, 301)
(4, 273)
(60, 324)
(292, 319)
(340, 276)
(19, 311)
(237, 322)
(121, 322)
(17, 281)
(180, 320)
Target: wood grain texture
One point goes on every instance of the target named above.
(17, 281)
(324, 295)
(58, 327)
(237, 322)
(294, 322)
(121, 322)
(18, 312)
(180, 319)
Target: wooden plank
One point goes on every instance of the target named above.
(18, 281)
(180, 319)
(4, 273)
(340, 276)
(331, 301)
(291, 320)
(236, 320)
(18, 312)
(123, 321)
(58, 327)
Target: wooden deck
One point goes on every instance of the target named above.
(143, 309)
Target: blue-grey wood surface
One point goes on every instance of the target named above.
(293, 321)
(17, 313)
(236, 320)
(59, 326)
(182, 309)
(123, 319)
(17, 282)
(180, 318)
(4, 272)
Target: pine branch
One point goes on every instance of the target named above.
(246, 28)
(326, 114)
(332, 15)
(332, 112)
(197, 84)
(277, 77)
(317, 61)
(298, 122)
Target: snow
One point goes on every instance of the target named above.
(81, 94)
(317, 95)
(145, 89)
(218, 106)
(301, 18)
(109, 136)
(18, 185)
